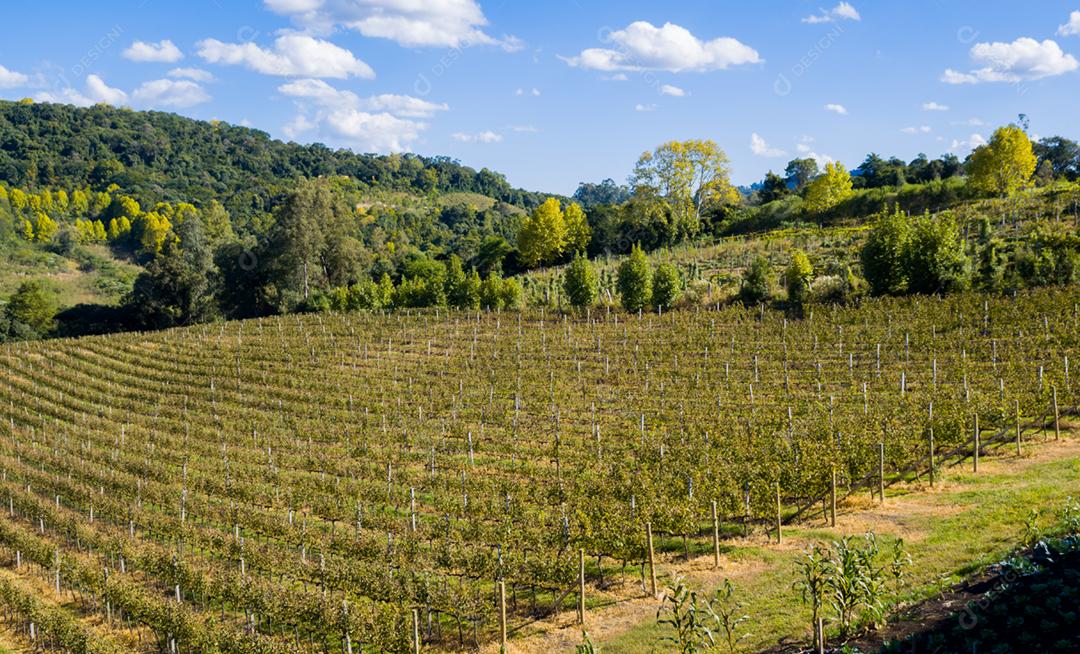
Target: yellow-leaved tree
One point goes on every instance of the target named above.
(1005, 165)
(828, 190)
(543, 235)
(688, 176)
(578, 232)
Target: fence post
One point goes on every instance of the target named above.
(715, 536)
(832, 498)
(933, 462)
(652, 558)
(779, 517)
(416, 630)
(881, 471)
(581, 587)
(1057, 417)
(978, 446)
(1019, 451)
(502, 614)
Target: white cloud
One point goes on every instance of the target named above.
(96, 91)
(644, 47)
(293, 55)
(924, 129)
(645, 108)
(482, 137)
(524, 129)
(933, 106)
(10, 79)
(1071, 28)
(842, 11)
(618, 77)
(802, 148)
(160, 52)
(170, 93)
(971, 122)
(410, 23)
(522, 92)
(193, 74)
(1022, 60)
(383, 123)
(759, 147)
(968, 144)
(836, 109)
(673, 91)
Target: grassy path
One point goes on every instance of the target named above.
(963, 524)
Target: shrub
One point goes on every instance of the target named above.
(635, 281)
(756, 284)
(667, 286)
(580, 282)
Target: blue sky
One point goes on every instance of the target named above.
(558, 92)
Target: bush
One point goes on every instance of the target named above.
(883, 254)
(667, 286)
(934, 256)
(797, 278)
(756, 284)
(635, 281)
(31, 311)
(580, 282)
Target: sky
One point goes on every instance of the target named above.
(559, 92)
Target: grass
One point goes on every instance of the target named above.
(951, 532)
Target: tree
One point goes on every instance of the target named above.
(635, 281)
(1005, 165)
(543, 236)
(580, 282)
(829, 189)
(578, 232)
(934, 257)
(667, 286)
(45, 228)
(800, 171)
(30, 311)
(883, 253)
(756, 284)
(688, 175)
(1061, 153)
(176, 287)
(797, 278)
(773, 188)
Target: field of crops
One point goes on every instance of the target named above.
(371, 483)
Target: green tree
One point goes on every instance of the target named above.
(934, 256)
(797, 278)
(667, 286)
(635, 281)
(829, 190)
(757, 282)
(800, 172)
(580, 282)
(543, 236)
(1005, 165)
(30, 311)
(773, 188)
(176, 287)
(883, 254)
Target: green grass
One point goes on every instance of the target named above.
(950, 534)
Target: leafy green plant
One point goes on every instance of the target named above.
(724, 611)
(586, 646)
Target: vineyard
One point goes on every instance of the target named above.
(433, 480)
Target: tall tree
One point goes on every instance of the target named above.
(580, 282)
(800, 171)
(1005, 165)
(635, 281)
(543, 236)
(829, 189)
(578, 232)
(688, 175)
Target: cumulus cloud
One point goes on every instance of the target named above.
(482, 137)
(193, 74)
(761, 148)
(160, 52)
(842, 11)
(383, 123)
(673, 91)
(1071, 28)
(170, 93)
(645, 47)
(410, 23)
(96, 91)
(933, 106)
(968, 144)
(10, 79)
(836, 108)
(1024, 59)
(923, 129)
(293, 55)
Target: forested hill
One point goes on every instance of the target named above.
(155, 157)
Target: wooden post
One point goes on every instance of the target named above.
(881, 471)
(933, 461)
(652, 558)
(1019, 450)
(779, 517)
(715, 536)
(821, 635)
(502, 614)
(1057, 417)
(832, 498)
(978, 446)
(416, 630)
